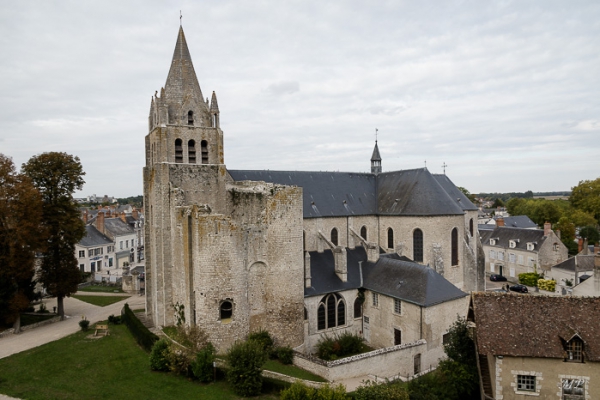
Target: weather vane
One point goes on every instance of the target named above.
(444, 165)
(425, 164)
(180, 16)
(376, 130)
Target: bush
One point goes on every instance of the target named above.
(142, 335)
(263, 338)
(179, 361)
(338, 346)
(43, 309)
(530, 278)
(159, 360)
(84, 324)
(547, 284)
(285, 354)
(202, 366)
(115, 320)
(373, 391)
(299, 391)
(245, 360)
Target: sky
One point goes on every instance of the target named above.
(505, 93)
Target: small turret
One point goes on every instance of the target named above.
(214, 110)
(376, 160)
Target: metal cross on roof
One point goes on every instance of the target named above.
(444, 165)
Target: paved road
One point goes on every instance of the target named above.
(74, 309)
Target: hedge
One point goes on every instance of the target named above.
(547, 284)
(142, 335)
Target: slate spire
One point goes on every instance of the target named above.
(376, 160)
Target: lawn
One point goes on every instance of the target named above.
(100, 288)
(111, 367)
(292, 370)
(29, 319)
(100, 300)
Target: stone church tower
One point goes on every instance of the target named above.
(227, 255)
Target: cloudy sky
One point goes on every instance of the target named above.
(506, 93)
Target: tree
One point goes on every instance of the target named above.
(468, 194)
(245, 361)
(57, 176)
(498, 203)
(586, 196)
(590, 233)
(567, 234)
(20, 237)
(581, 218)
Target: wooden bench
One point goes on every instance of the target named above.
(101, 329)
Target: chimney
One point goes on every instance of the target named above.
(500, 221)
(597, 273)
(341, 263)
(547, 228)
(122, 216)
(100, 222)
(134, 213)
(596, 248)
(85, 216)
(580, 245)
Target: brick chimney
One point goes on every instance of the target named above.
(580, 245)
(100, 222)
(123, 217)
(134, 213)
(85, 216)
(547, 228)
(500, 221)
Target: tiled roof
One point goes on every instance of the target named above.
(520, 221)
(535, 326)
(584, 263)
(503, 235)
(117, 227)
(93, 237)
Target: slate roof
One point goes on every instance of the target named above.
(421, 285)
(117, 227)
(535, 326)
(584, 263)
(332, 194)
(93, 237)
(504, 234)
(409, 281)
(520, 221)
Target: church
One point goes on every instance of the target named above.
(390, 256)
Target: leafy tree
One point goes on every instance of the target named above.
(57, 176)
(202, 366)
(498, 203)
(581, 218)
(299, 391)
(389, 390)
(590, 233)
(586, 196)
(567, 234)
(20, 236)
(468, 194)
(245, 360)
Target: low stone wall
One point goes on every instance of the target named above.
(285, 378)
(389, 362)
(28, 327)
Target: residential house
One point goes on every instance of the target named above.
(95, 252)
(572, 271)
(538, 347)
(123, 235)
(512, 251)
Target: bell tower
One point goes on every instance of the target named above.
(376, 160)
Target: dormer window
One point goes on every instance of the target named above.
(190, 117)
(575, 350)
(512, 244)
(492, 242)
(530, 246)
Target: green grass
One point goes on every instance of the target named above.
(112, 367)
(291, 370)
(29, 319)
(100, 300)
(99, 288)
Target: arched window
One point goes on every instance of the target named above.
(192, 152)
(418, 245)
(331, 312)
(178, 151)
(305, 314)
(454, 246)
(190, 117)
(334, 236)
(390, 238)
(204, 149)
(357, 308)
(226, 310)
(363, 232)
(471, 226)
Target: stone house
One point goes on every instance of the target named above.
(572, 269)
(289, 251)
(95, 251)
(512, 251)
(122, 234)
(546, 347)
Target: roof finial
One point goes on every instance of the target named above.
(425, 164)
(444, 165)
(180, 17)
(376, 130)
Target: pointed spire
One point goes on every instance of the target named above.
(214, 106)
(376, 160)
(376, 156)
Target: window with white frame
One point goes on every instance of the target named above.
(397, 306)
(375, 300)
(512, 272)
(493, 254)
(501, 255)
(520, 260)
(526, 383)
(492, 242)
(492, 267)
(512, 244)
(530, 262)
(512, 258)
(530, 246)
(121, 245)
(573, 389)
(81, 253)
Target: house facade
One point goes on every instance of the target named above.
(95, 252)
(543, 347)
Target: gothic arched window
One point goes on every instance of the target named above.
(357, 308)
(454, 246)
(418, 245)
(204, 149)
(190, 117)
(334, 236)
(363, 232)
(331, 312)
(192, 152)
(178, 151)
(390, 238)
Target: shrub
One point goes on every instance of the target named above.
(115, 320)
(84, 324)
(202, 366)
(299, 391)
(547, 284)
(373, 391)
(285, 354)
(245, 360)
(338, 346)
(159, 356)
(263, 338)
(142, 335)
(530, 278)
(43, 309)
(179, 361)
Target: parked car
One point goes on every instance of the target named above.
(497, 278)
(519, 288)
